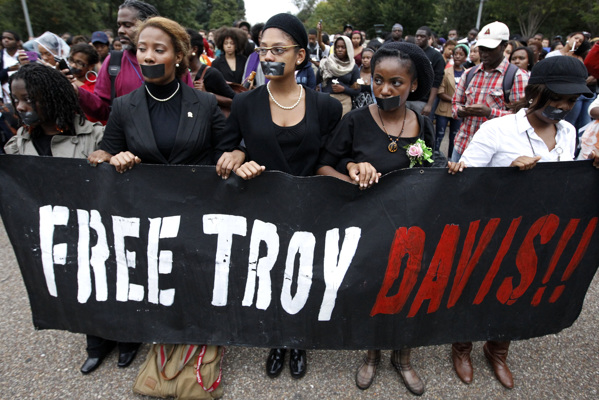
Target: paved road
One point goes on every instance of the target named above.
(45, 364)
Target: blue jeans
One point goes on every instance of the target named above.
(454, 127)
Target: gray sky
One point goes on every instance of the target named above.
(261, 10)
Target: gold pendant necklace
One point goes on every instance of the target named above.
(392, 147)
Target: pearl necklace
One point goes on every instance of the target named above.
(168, 98)
(281, 106)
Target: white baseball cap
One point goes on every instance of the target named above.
(491, 35)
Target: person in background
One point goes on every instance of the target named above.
(101, 43)
(339, 73)
(231, 61)
(253, 62)
(116, 45)
(523, 58)
(448, 52)
(396, 33)
(470, 39)
(205, 78)
(11, 58)
(365, 97)
(452, 34)
(129, 78)
(511, 46)
(357, 42)
(426, 105)
(51, 49)
(82, 60)
(474, 57)
(451, 78)
(483, 97)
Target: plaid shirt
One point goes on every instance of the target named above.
(485, 88)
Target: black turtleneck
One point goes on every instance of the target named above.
(164, 115)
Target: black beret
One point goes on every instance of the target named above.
(424, 69)
(291, 25)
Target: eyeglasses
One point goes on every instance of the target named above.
(276, 50)
(77, 63)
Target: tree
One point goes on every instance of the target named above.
(225, 12)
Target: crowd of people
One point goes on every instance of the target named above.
(275, 96)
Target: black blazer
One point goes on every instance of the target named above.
(201, 127)
(251, 121)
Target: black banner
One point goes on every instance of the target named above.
(175, 254)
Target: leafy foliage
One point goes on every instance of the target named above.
(86, 16)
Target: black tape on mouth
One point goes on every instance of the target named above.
(272, 68)
(388, 103)
(153, 71)
(554, 114)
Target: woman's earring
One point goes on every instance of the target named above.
(177, 65)
(530, 101)
(193, 53)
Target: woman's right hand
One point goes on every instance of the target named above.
(124, 161)
(453, 167)
(363, 174)
(525, 162)
(249, 170)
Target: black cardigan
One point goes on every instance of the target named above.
(251, 121)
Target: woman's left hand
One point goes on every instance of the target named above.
(250, 170)
(228, 162)
(337, 88)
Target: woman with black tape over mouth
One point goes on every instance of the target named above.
(377, 139)
(164, 121)
(283, 126)
(536, 132)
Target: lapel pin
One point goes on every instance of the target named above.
(189, 114)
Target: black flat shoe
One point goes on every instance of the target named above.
(297, 363)
(126, 358)
(91, 364)
(274, 362)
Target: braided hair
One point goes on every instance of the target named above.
(144, 10)
(51, 91)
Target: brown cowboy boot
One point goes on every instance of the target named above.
(460, 355)
(400, 359)
(367, 371)
(496, 353)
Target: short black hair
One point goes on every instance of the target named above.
(426, 29)
(255, 32)
(88, 50)
(195, 39)
(15, 34)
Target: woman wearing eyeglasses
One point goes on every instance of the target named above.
(283, 126)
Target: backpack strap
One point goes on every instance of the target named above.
(114, 67)
(470, 74)
(508, 82)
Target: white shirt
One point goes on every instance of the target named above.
(500, 141)
(8, 61)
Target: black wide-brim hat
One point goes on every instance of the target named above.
(424, 69)
(561, 75)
